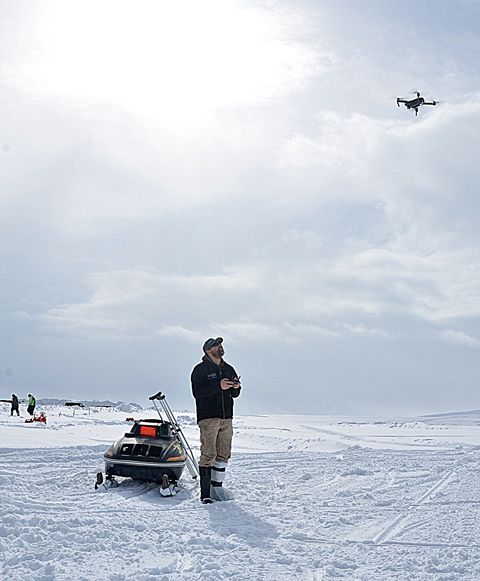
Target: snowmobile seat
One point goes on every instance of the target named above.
(164, 430)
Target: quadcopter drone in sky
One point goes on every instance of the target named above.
(415, 103)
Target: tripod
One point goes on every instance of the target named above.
(177, 430)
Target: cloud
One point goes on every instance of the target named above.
(365, 229)
(459, 338)
(419, 253)
(179, 332)
(133, 303)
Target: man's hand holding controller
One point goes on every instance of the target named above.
(228, 383)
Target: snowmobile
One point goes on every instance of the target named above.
(154, 450)
(148, 452)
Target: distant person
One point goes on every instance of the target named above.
(31, 404)
(14, 405)
(214, 384)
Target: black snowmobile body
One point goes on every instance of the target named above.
(148, 452)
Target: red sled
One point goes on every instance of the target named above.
(41, 418)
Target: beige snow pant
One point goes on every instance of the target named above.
(215, 440)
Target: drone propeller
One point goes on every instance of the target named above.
(432, 102)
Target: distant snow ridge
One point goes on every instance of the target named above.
(119, 405)
(186, 420)
(446, 414)
(128, 407)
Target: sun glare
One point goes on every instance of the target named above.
(177, 59)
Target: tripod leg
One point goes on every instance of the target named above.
(158, 411)
(191, 462)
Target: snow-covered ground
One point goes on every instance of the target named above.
(316, 498)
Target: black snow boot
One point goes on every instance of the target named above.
(205, 479)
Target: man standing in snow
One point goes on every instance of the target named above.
(214, 384)
(14, 405)
(31, 404)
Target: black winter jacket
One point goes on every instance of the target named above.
(213, 401)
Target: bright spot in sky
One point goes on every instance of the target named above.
(170, 60)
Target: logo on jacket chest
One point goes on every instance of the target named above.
(212, 376)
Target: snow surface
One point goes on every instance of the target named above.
(315, 498)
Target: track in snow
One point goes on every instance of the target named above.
(389, 530)
(295, 516)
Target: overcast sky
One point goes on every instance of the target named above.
(173, 171)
